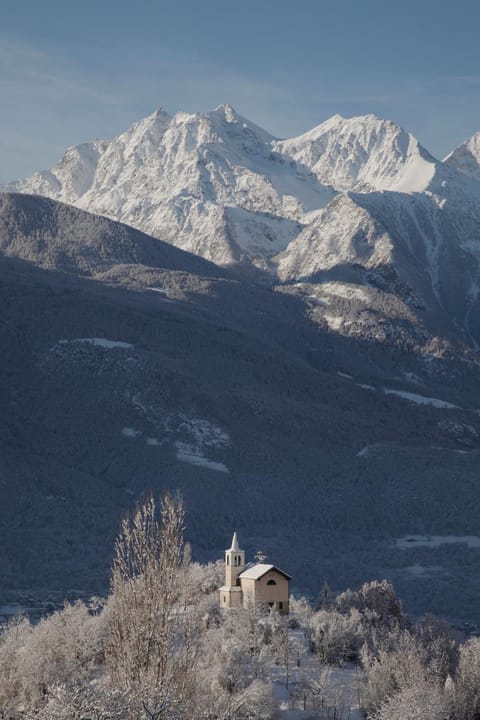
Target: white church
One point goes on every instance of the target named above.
(253, 583)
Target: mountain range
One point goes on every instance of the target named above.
(356, 195)
(286, 330)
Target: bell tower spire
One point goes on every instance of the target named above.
(234, 562)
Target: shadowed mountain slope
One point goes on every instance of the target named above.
(128, 366)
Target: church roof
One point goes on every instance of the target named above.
(255, 572)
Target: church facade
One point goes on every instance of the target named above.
(253, 583)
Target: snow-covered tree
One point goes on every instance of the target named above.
(151, 646)
(403, 662)
(416, 701)
(467, 685)
(376, 600)
(338, 637)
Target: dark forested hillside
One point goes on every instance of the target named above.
(159, 370)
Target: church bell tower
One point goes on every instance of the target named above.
(231, 595)
(234, 562)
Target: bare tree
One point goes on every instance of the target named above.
(151, 648)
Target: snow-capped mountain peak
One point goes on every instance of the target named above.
(229, 115)
(227, 111)
(363, 153)
(466, 157)
(70, 178)
(145, 133)
(210, 183)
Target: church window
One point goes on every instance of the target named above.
(271, 582)
(228, 560)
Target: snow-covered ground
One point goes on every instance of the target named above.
(337, 688)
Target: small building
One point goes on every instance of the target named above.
(253, 583)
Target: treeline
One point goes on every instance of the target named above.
(158, 648)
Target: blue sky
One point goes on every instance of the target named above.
(72, 71)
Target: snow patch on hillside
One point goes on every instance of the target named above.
(424, 570)
(130, 432)
(420, 399)
(205, 433)
(193, 455)
(314, 300)
(152, 441)
(100, 342)
(164, 294)
(334, 322)
(411, 541)
(202, 436)
(345, 290)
